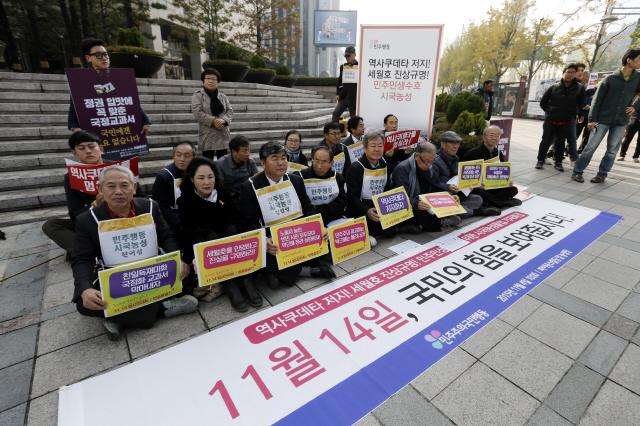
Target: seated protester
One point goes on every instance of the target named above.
(87, 148)
(394, 157)
(341, 157)
(499, 197)
(237, 167)
(116, 184)
(367, 178)
(166, 187)
(255, 204)
(207, 213)
(417, 177)
(446, 167)
(320, 176)
(355, 125)
(292, 145)
(96, 55)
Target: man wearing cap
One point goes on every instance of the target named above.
(346, 92)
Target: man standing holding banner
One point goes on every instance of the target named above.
(273, 197)
(106, 233)
(347, 88)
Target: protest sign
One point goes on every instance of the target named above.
(332, 355)
(393, 207)
(496, 175)
(108, 105)
(399, 76)
(495, 159)
(127, 240)
(137, 284)
(504, 145)
(356, 151)
(84, 177)
(226, 258)
(401, 139)
(349, 239)
(295, 167)
(299, 240)
(442, 204)
(350, 74)
(470, 174)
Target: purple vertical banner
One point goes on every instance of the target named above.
(505, 139)
(108, 105)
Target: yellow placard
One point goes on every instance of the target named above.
(496, 175)
(349, 239)
(493, 160)
(469, 174)
(226, 258)
(442, 204)
(137, 284)
(125, 223)
(393, 207)
(299, 240)
(293, 167)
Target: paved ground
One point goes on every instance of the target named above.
(568, 353)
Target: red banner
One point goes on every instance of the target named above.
(401, 139)
(84, 177)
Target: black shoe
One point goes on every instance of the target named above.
(490, 211)
(112, 328)
(539, 165)
(559, 167)
(577, 177)
(250, 291)
(272, 282)
(323, 271)
(598, 178)
(409, 228)
(513, 202)
(236, 298)
(67, 257)
(485, 204)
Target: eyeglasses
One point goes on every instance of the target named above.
(426, 163)
(493, 136)
(210, 79)
(334, 134)
(293, 140)
(99, 55)
(570, 72)
(321, 163)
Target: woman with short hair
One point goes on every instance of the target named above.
(213, 112)
(292, 143)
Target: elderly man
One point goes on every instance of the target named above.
(342, 160)
(166, 188)
(499, 197)
(116, 184)
(346, 92)
(446, 168)
(257, 199)
(417, 177)
(237, 167)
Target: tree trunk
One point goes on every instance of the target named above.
(76, 45)
(72, 37)
(128, 12)
(36, 42)
(11, 52)
(84, 16)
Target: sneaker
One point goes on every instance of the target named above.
(539, 165)
(621, 159)
(112, 328)
(598, 178)
(513, 202)
(372, 241)
(548, 161)
(558, 167)
(449, 221)
(180, 305)
(409, 228)
(577, 177)
(635, 160)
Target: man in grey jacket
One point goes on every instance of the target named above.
(237, 167)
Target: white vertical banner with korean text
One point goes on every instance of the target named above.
(399, 74)
(330, 356)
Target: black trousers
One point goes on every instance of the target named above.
(429, 222)
(552, 134)
(375, 229)
(341, 106)
(287, 276)
(217, 153)
(626, 141)
(61, 231)
(496, 197)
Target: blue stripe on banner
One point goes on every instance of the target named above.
(353, 398)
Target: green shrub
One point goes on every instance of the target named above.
(234, 52)
(446, 102)
(455, 109)
(474, 104)
(132, 49)
(442, 127)
(211, 63)
(441, 119)
(469, 142)
(285, 77)
(436, 137)
(222, 51)
(481, 123)
(438, 115)
(317, 81)
(465, 123)
(257, 62)
(130, 37)
(261, 71)
(283, 70)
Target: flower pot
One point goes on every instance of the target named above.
(284, 82)
(231, 73)
(144, 66)
(259, 78)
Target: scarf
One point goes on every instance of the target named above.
(293, 155)
(212, 198)
(216, 106)
(427, 183)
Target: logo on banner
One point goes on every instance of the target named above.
(104, 88)
(432, 338)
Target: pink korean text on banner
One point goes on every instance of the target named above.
(108, 105)
(401, 139)
(349, 239)
(442, 204)
(399, 76)
(299, 240)
(505, 125)
(84, 177)
(335, 353)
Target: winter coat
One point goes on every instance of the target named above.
(210, 138)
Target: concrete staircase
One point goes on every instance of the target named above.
(34, 134)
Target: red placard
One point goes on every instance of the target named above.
(84, 177)
(401, 139)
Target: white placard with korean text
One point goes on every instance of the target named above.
(332, 355)
(399, 74)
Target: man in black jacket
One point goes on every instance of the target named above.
(86, 147)
(355, 126)
(273, 157)
(561, 103)
(117, 187)
(499, 197)
(340, 152)
(486, 93)
(346, 93)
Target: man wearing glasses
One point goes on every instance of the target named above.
(96, 55)
(346, 92)
(561, 103)
(342, 160)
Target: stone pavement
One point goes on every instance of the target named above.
(567, 353)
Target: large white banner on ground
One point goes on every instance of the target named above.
(399, 73)
(332, 355)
